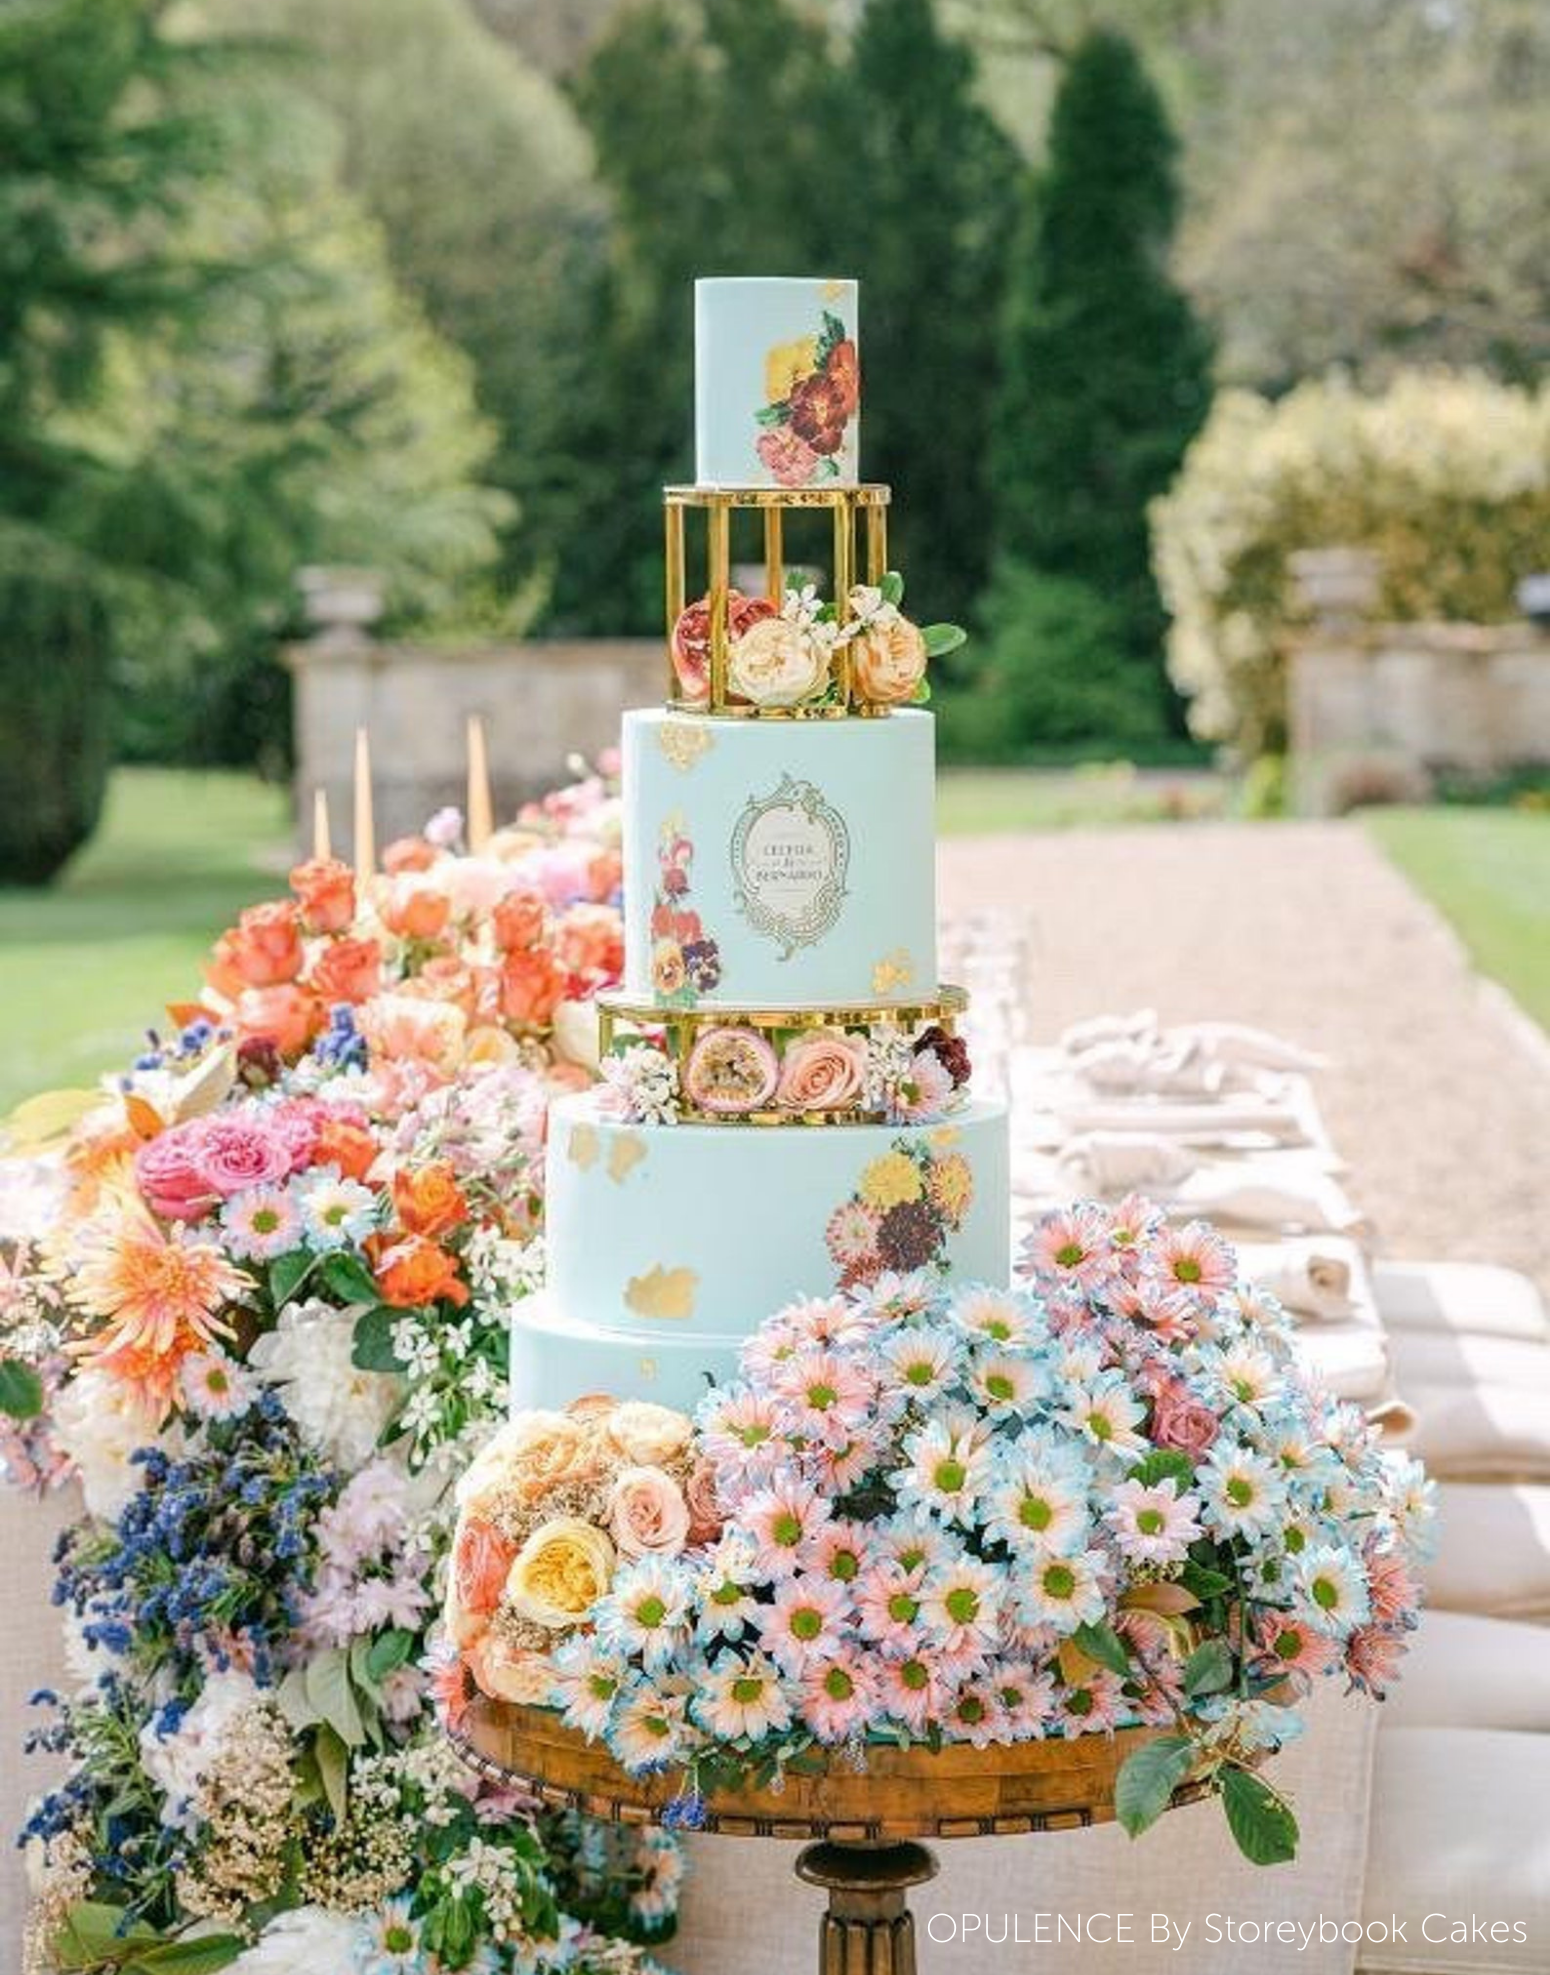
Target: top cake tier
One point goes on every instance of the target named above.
(777, 383)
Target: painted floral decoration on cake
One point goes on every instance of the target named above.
(907, 1204)
(685, 960)
(813, 390)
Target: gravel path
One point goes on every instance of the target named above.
(1438, 1098)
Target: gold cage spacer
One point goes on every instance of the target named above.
(847, 505)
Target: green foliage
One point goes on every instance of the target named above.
(1052, 669)
(1445, 475)
(55, 652)
(1148, 1779)
(1106, 371)
(1261, 1822)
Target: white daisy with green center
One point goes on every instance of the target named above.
(947, 1474)
(742, 1697)
(1242, 1493)
(1334, 1590)
(1064, 1592)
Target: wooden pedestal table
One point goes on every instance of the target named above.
(862, 1827)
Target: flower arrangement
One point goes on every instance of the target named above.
(1104, 1498)
(785, 658)
(266, 1328)
(864, 1072)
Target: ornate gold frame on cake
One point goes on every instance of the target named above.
(861, 1824)
(848, 505)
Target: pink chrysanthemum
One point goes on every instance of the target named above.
(806, 1622)
(838, 1550)
(1372, 1658)
(827, 1397)
(1071, 1248)
(781, 1518)
(852, 1233)
(839, 1696)
(888, 1607)
(914, 1691)
(1289, 1645)
(1196, 1260)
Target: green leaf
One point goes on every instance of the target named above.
(1148, 1779)
(292, 1701)
(389, 1651)
(773, 414)
(372, 1350)
(1203, 1582)
(1103, 1644)
(94, 1935)
(1260, 1821)
(1209, 1668)
(892, 587)
(21, 1390)
(329, 1690)
(943, 638)
(287, 1273)
(199, 1957)
(350, 1280)
(333, 1761)
(1163, 1464)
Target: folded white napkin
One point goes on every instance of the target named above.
(1202, 1123)
(1309, 1283)
(1114, 1162)
(1108, 1028)
(1128, 1065)
(1350, 1360)
(1236, 1042)
(1282, 1197)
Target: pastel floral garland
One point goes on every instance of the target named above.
(1106, 1497)
(266, 1327)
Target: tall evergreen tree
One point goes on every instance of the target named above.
(1107, 371)
(932, 201)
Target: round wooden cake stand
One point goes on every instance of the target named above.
(862, 1827)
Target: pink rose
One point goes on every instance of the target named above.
(648, 1515)
(170, 1176)
(237, 1152)
(1183, 1423)
(823, 1071)
(790, 458)
(296, 1124)
(730, 1071)
(706, 1515)
(481, 1560)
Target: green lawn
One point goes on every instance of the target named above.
(1488, 872)
(86, 966)
(987, 801)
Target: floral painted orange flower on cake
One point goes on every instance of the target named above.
(813, 388)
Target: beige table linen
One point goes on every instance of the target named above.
(1468, 1672)
(1478, 1298)
(1493, 1552)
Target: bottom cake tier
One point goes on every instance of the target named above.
(667, 1245)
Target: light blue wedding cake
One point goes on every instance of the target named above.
(785, 1107)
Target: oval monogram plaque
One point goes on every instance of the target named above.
(790, 855)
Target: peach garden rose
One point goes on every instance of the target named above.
(647, 1434)
(537, 1452)
(888, 659)
(823, 1071)
(647, 1513)
(777, 663)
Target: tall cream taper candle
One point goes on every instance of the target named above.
(365, 829)
(481, 805)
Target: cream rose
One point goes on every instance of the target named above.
(647, 1435)
(776, 663)
(560, 1573)
(887, 659)
(648, 1515)
(823, 1071)
(536, 1452)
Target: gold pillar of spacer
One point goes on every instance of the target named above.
(876, 545)
(844, 582)
(673, 520)
(718, 554)
(774, 556)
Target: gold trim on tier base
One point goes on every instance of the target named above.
(622, 1018)
(863, 506)
(861, 1826)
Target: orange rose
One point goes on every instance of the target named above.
(265, 947)
(325, 891)
(605, 874)
(888, 660)
(415, 1271)
(430, 1200)
(445, 978)
(408, 854)
(347, 970)
(287, 1016)
(531, 987)
(401, 1028)
(221, 968)
(519, 921)
(349, 1147)
(590, 941)
(481, 1558)
(414, 909)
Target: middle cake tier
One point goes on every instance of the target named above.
(667, 1247)
(779, 863)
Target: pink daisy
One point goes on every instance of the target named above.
(888, 1607)
(1025, 1698)
(806, 1622)
(837, 1550)
(961, 1604)
(738, 1433)
(1290, 1645)
(913, 1691)
(1071, 1248)
(261, 1223)
(827, 1396)
(839, 1469)
(839, 1696)
(1372, 1658)
(781, 1518)
(1196, 1260)
(215, 1387)
(923, 1092)
(1153, 1525)
(742, 1697)
(1092, 1708)
(1133, 1222)
(1391, 1588)
(1161, 1309)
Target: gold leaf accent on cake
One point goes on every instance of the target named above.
(893, 973)
(684, 741)
(647, 1369)
(833, 291)
(624, 1155)
(581, 1146)
(665, 1293)
(946, 1135)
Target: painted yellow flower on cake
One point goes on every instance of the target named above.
(787, 364)
(951, 1185)
(891, 1179)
